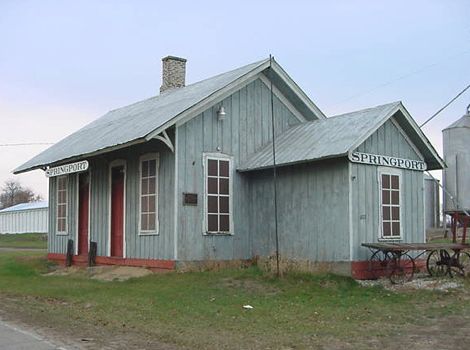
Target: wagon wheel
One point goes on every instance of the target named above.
(459, 264)
(400, 268)
(378, 264)
(437, 263)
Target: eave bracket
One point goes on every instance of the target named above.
(163, 136)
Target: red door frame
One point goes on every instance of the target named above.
(83, 222)
(117, 212)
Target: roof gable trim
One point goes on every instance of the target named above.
(234, 86)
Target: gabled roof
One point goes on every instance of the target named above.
(141, 121)
(337, 136)
(26, 206)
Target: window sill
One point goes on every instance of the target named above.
(391, 239)
(149, 233)
(61, 233)
(218, 234)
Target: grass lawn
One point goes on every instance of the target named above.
(205, 309)
(24, 240)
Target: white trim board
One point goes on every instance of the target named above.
(282, 98)
(229, 158)
(149, 156)
(407, 138)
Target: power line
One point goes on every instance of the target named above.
(404, 76)
(445, 106)
(25, 144)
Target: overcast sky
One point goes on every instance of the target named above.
(66, 63)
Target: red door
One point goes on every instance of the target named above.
(117, 211)
(83, 203)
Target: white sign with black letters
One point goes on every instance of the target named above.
(67, 169)
(394, 162)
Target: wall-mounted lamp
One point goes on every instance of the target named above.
(221, 113)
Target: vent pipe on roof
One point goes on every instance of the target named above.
(173, 73)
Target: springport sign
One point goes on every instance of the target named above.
(67, 169)
(394, 162)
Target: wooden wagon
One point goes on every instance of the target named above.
(397, 261)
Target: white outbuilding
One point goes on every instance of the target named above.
(25, 218)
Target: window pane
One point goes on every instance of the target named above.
(145, 168)
(386, 212)
(223, 186)
(212, 185)
(144, 205)
(212, 167)
(61, 225)
(223, 168)
(144, 222)
(152, 164)
(395, 182)
(385, 197)
(224, 223)
(386, 229)
(60, 211)
(61, 197)
(145, 186)
(385, 181)
(151, 200)
(395, 213)
(212, 223)
(61, 183)
(212, 206)
(223, 202)
(396, 229)
(395, 197)
(151, 182)
(151, 225)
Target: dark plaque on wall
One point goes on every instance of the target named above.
(189, 198)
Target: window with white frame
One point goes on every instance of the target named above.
(390, 204)
(149, 165)
(61, 204)
(218, 196)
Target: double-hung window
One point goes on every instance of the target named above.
(61, 205)
(149, 165)
(218, 194)
(390, 201)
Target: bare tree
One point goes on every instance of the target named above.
(13, 193)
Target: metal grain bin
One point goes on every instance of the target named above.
(431, 202)
(456, 145)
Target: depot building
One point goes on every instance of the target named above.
(185, 178)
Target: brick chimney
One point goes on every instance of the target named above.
(173, 73)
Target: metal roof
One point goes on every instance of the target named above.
(140, 121)
(328, 138)
(463, 122)
(26, 206)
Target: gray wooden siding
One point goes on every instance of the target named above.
(247, 127)
(137, 246)
(365, 192)
(313, 211)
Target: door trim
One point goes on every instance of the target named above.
(77, 211)
(113, 164)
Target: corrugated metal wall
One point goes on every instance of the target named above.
(24, 221)
(246, 128)
(389, 141)
(137, 246)
(313, 211)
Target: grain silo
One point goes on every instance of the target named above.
(456, 146)
(431, 202)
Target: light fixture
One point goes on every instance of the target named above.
(221, 113)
